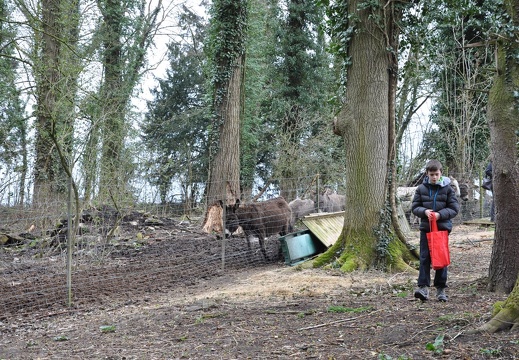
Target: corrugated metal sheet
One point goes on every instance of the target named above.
(326, 227)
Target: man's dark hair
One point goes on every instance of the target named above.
(433, 165)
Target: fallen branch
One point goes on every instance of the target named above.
(68, 311)
(275, 312)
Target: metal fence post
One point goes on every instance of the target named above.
(69, 242)
(224, 223)
(317, 192)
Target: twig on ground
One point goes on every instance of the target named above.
(68, 311)
(454, 338)
(420, 332)
(336, 321)
(394, 276)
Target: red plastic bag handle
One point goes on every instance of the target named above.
(432, 223)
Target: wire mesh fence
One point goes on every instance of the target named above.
(119, 255)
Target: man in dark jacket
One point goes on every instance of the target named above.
(434, 197)
(488, 185)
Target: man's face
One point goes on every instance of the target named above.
(434, 176)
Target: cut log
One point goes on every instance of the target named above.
(214, 219)
(10, 239)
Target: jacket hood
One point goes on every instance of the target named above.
(444, 181)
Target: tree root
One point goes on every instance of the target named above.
(506, 319)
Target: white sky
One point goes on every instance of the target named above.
(157, 55)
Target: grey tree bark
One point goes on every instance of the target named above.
(364, 124)
(56, 70)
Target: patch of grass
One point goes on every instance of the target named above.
(446, 318)
(402, 294)
(107, 328)
(472, 289)
(202, 317)
(137, 245)
(490, 352)
(342, 309)
(437, 346)
(61, 338)
(30, 343)
(33, 243)
(455, 320)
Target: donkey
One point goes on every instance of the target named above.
(260, 219)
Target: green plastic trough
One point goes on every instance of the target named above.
(300, 246)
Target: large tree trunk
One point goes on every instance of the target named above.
(224, 177)
(114, 103)
(56, 72)
(224, 174)
(295, 42)
(90, 162)
(504, 122)
(47, 75)
(228, 26)
(364, 125)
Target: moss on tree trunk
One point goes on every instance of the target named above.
(358, 251)
(506, 318)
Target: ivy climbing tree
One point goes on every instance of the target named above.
(227, 35)
(55, 68)
(126, 32)
(285, 136)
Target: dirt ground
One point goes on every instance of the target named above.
(170, 299)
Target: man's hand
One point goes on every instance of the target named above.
(431, 214)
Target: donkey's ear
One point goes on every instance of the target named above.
(234, 206)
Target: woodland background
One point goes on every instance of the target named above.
(74, 75)
(251, 99)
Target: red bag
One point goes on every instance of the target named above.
(438, 246)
